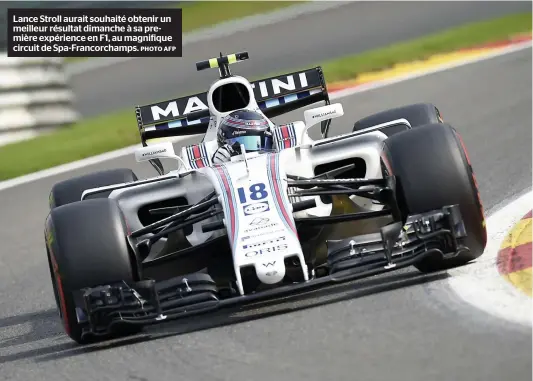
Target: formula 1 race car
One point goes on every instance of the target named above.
(397, 191)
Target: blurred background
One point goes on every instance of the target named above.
(35, 95)
(84, 106)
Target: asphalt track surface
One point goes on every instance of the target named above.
(293, 44)
(395, 326)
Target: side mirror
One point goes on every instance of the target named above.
(319, 114)
(157, 151)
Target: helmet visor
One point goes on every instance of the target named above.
(253, 143)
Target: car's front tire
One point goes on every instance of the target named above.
(69, 191)
(86, 246)
(433, 170)
(418, 114)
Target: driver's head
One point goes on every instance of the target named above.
(245, 127)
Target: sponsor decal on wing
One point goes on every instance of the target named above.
(268, 92)
(266, 250)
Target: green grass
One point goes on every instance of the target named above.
(421, 48)
(203, 14)
(113, 131)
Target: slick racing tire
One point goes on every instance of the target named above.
(86, 246)
(68, 191)
(432, 170)
(418, 114)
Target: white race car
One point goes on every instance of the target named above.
(397, 191)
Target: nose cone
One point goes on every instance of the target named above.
(270, 272)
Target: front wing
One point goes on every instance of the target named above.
(396, 246)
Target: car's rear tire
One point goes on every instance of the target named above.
(433, 170)
(86, 246)
(69, 191)
(418, 114)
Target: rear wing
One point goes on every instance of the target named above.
(275, 96)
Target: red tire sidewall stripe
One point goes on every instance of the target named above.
(61, 294)
(474, 179)
(386, 160)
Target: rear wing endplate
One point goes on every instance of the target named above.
(275, 96)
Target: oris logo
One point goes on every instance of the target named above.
(275, 249)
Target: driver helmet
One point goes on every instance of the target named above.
(245, 127)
